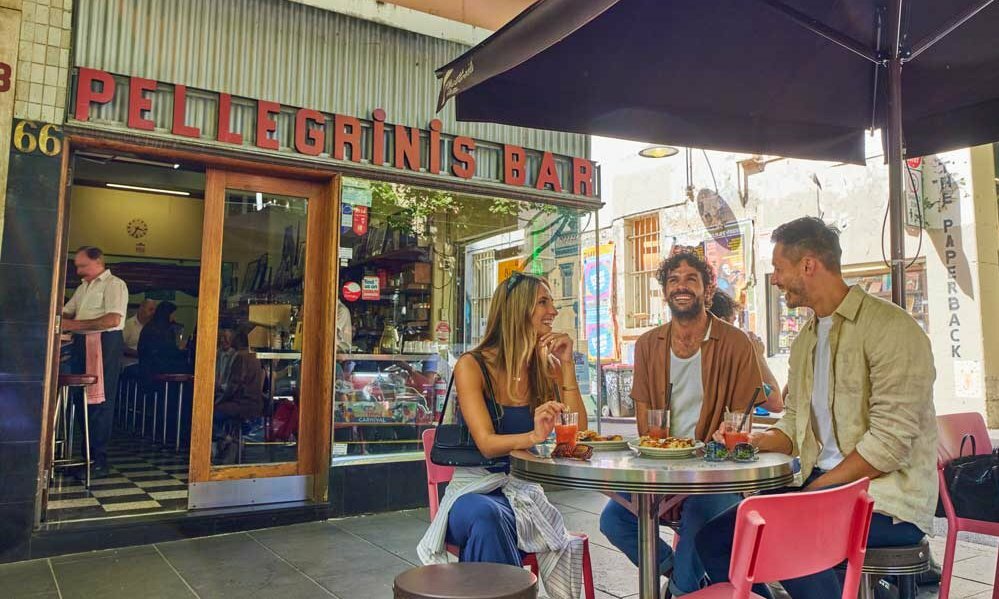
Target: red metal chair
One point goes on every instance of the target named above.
(437, 475)
(950, 430)
(778, 537)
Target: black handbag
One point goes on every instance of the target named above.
(453, 443)
(973, 482)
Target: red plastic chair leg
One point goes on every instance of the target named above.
(948, 563)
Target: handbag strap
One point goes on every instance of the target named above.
(966, 437)
(490, 394)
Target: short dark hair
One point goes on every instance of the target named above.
(92, 252)
(723, 305)
(810, 234)
(693, 260)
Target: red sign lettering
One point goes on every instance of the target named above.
(85, 92)
(180, 126)
(309, 140)
(464, 160)
(225, 133)
(582, 177)
(407, 147)
(548, 174)
(346, 132)
(513, 165)
(266, 125)
(138, 103)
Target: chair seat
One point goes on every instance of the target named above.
(173, 378)
(468, 581)
(912, 559)
(76, 380)
(722, 590)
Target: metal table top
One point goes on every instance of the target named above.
(625, 471)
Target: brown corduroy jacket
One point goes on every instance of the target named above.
(729, 372)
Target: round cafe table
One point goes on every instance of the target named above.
(650, 481)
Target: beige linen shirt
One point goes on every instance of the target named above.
(881, 400)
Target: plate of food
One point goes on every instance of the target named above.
(670, 447)
(601, 442)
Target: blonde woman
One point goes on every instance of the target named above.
(522, 364)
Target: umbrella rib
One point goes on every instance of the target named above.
(818, 27)
(928, 41)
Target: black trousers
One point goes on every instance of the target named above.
(101, 415)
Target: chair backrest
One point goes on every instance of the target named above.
(435, 474)
(951, 428)
(778, 537)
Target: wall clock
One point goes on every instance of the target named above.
(137, 228)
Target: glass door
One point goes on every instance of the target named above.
(261, 426)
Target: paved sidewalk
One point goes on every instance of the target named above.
(354, 558)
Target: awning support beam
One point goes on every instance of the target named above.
(814, 25)
(927, 42)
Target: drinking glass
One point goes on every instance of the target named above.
(566, 428)
(657, 423)
(733, 432)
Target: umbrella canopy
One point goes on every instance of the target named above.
(736, 75)
(802, 79)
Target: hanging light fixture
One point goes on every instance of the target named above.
(658, 152)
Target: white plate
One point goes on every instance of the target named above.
(655, 452)
(605, 445)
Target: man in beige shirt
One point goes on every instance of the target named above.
(860, 403)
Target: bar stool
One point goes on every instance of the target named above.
(166, 379)
(466, 581)
(905, 563)
(64, 406)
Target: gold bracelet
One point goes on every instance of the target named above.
(564, 388)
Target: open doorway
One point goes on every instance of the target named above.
(146, 218)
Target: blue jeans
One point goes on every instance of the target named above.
(621, 527)
(484, 529)
(714, 543)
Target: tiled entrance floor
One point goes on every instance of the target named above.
(355, 558)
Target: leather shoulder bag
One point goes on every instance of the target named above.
(453, 443)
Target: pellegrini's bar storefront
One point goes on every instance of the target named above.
(271, 183)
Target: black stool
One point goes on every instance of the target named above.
(65, 413)
(166, 379)
(466, 581)
(903, 562)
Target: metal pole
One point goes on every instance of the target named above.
(599, 380)
(648, 546)
(896, 207)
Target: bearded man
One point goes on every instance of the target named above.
(711, 365)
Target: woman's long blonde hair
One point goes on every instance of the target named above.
(511, 336)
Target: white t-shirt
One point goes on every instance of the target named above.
(830, 456)
(688, 394)
(107, 294)
(131, 332)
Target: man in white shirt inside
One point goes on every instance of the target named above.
(97, 305)
(132, 330)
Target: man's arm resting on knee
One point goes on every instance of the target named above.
(853, 467)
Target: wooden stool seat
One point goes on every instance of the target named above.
(76, 380)
(173, 378)
(466, 581)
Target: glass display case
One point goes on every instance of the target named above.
(417, 271)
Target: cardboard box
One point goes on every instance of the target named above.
(417, 274)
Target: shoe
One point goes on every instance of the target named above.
(100, 470)
(931, 576)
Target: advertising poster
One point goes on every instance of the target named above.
(598, 285)
(724, 251)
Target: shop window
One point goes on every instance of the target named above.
(784, 322)
(642, 294)
(416, 279)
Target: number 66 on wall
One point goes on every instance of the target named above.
(48, 139)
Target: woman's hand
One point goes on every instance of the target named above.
(559, 345)
(545, 417)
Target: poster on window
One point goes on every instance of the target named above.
(725, 252)
(598, 285)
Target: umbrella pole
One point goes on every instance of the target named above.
(896, 206)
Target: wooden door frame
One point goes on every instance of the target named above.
(316, 384)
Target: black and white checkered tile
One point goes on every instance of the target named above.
(144, 479)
